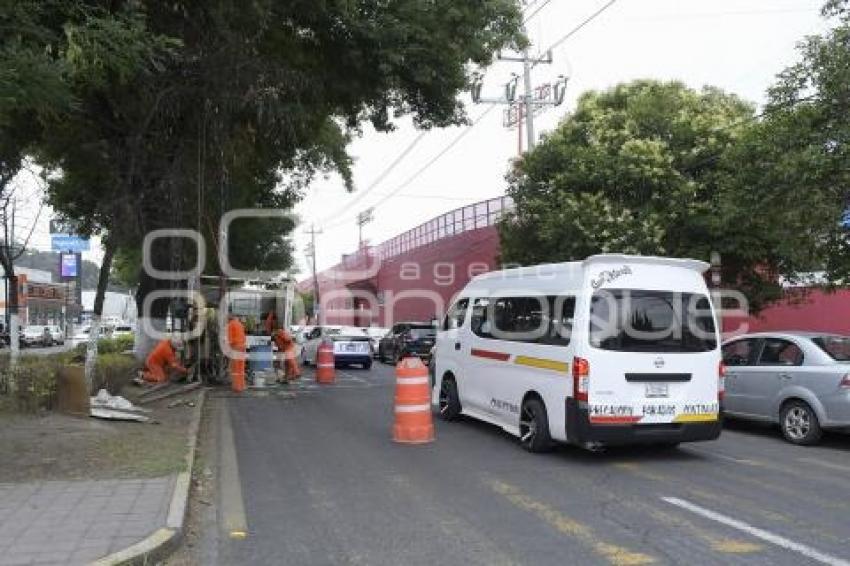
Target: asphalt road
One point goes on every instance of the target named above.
(311, 476)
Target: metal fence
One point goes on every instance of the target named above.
(464, 219)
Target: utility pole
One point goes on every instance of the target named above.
(533, 99)
(364, 218)
(311, 250)
(529, 102)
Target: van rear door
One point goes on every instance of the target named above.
(653, 357)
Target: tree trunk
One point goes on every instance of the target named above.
(155, 318)
(14, 321)
(94, 332)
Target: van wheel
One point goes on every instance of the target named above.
(534, 427)
(800, 424)
(449, 400)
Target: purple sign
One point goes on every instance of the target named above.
(68, 266)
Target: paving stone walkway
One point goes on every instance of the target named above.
(76, 522)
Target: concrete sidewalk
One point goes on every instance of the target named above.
(77, 522)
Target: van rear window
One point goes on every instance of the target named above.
(627, 320)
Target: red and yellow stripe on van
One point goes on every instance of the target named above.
(528, 361)
(564, 367)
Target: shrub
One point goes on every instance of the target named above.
(105, 346)
(113, 371)
(32, 385)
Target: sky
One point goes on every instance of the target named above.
(738, 45)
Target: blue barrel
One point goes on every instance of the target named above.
(261, 357)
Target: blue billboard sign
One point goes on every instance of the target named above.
(68, 266)
(68, 243)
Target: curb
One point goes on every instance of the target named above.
(165, 540)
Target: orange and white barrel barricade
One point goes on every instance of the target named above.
(325, 369)
(413, 422)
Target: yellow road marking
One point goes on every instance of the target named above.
(542, 363)
(640, 471)
(695, 418)
(732, 546)
(613, 553)
(238, 534)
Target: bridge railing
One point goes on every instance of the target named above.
(463, 219)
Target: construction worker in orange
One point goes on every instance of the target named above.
(162, 360)
(286, 346)
(237, 341)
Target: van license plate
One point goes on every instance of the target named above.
(657, 390)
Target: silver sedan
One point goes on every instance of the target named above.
(798, 380)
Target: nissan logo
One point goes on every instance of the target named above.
(659, 363)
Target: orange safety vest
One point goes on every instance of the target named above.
(236, 335)
(162, 356)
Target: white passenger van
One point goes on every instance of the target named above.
(612, 350)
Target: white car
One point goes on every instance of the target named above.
(35, 336)
(123, 330)
(351, 345)
(612, 350)
(57, 335)
(82, 335)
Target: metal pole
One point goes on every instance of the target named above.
(316, 299)
(529, 110)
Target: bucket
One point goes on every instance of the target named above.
(260, 359)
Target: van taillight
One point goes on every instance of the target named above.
(581, 378)
(721, 381)
(845, 381)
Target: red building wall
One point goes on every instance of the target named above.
(414, 277)
(420, 284)
(813, 310)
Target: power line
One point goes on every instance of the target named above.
(425, 167)
(564, 38)
(383, 175)
(535, 12)
(578, 28)
(362, 194)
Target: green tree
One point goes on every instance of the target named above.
(227, 104)
(635, 169)
(789, 183)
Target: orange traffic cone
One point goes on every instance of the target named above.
(413, 424)
(325, 370)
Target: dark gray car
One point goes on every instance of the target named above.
(798, 380)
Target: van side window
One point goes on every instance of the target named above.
(560, 324)
(456, 315)
(535, 320)
(478, 322)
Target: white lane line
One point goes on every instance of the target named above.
(762, 534)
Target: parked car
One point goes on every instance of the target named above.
(375, 333)
(35, 336)
(351, 345)
(407, 339)
(123, 330)
(57, 335)
(799, 380)
(82, 335)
